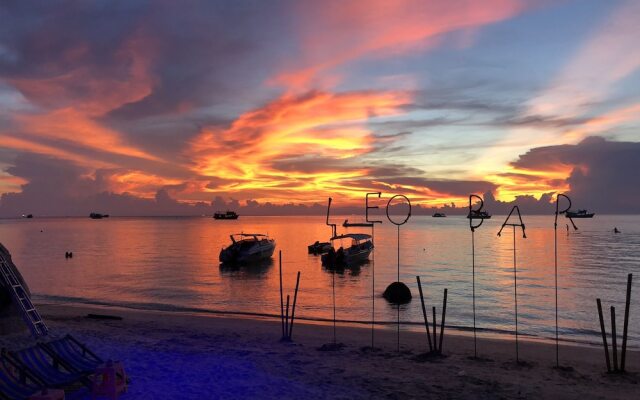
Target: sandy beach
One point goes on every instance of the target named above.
(183, 356)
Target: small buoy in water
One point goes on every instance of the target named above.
(71, 254)
(397, 293)
(66, 254)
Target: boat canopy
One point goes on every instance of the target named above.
(243, 235)
(354, 236)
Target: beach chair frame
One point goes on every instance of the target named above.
(72, 354)
(19, 385)
(48, 369)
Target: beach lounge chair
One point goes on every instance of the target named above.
(16, 382)
(72, 354)
(47, 369)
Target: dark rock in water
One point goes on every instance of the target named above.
(397, 293)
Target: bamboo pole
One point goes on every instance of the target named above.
(444, 314)
(281, 296)
(435, 327)
(293, 309)
(604, 335)
(424, 314)
(286, 324)
(614, 343)
(626, 323)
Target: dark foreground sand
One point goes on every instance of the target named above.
(180, 356)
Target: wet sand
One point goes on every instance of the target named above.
(183, 356)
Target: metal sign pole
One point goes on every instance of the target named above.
(398, 224)
(555, 254)
(515, 276)
(474, 214)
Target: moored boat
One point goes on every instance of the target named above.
(579, 214)
(439, 215)
(225, 215)
(319, 247)
(358, 252)
(247, 247)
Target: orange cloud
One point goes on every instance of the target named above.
(11, 142)
(72, 126)
(320, 124)
(72, 101)
(139, 183)
(606, 121)
(520, 181)
(338, 33)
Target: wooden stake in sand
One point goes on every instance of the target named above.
(614, 341)
(293, 309)
(626, 323)
(515, 275)
(281, 296)
(434, 348)
(444, 314)
(614, 336)
(424, 314)
(604, 335)
(287, 322)
(555, 253)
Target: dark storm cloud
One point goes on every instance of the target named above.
(605, 176)
(60, 188)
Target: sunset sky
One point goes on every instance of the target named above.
(140, 103)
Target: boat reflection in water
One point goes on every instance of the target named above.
(247, 248)
(356, 254)
(252, 270)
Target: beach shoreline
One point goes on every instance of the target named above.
(208, 356)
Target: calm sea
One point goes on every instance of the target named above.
(172, 264)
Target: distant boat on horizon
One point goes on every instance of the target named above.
(479, 215)
(439, 215)
(27, 216)
(225, 215)
(579, 214)
(98, 216)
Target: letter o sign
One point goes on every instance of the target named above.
(399, 222)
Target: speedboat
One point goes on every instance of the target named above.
(439, 215)
(358, 252)
(579, 214)
(225, 215)
(479, 215)
(319, 247)
(247, 247)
